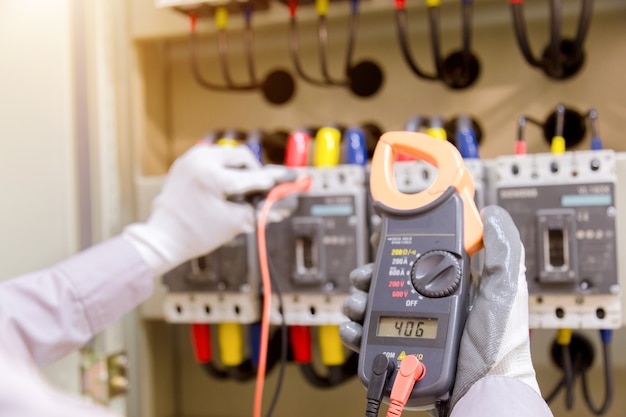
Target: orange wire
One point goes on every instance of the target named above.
(277, 193)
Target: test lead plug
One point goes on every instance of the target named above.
(411, 370)
(382, 369)
(520, 145)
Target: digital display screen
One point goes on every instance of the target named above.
(586, 200)
(420, 328)
(322, 210)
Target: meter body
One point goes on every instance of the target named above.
(420, 291)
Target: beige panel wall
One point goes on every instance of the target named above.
(37, 216)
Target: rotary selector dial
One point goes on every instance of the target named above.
(436, 274)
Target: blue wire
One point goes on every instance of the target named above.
(356, 150)
(466, 138)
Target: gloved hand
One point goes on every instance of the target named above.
(192, 215)
(495, 340)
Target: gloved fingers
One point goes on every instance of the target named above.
(504, 254)
(281, 173)
(205, 160)
(237, 157)
(495, 338)
(361, 277)
(354, 306)
(351, 334)
(239, 182)
(375, 239)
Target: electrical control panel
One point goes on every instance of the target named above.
(222, 286)
(313, 251)
(565, 208)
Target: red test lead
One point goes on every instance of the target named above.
(411, 370)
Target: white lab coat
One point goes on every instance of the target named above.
(47, 314)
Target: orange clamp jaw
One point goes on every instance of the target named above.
(451, 173)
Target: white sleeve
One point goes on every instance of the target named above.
(47, 314)
(501, 396)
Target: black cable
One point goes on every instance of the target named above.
(249, 44)
(534, 121)
(242, 372)
(312, 377)
(401, 23)
(195, 69)
(583, 27)
(284, 339)
(382, 369)
(214, 372)
(443, 408)
(555, 391)
(435, 41)
(294, 52)
(517, 10)
(222, 50)
(337, 374)
(555, 37)
(352, 32)
(322, 37)
(608, 384)
(563, 57)
(467, 36)
(568, 376)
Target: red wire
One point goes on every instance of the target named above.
(201, 337)
(300, 337)
(293, 7)
(193, 20)
(277, 193)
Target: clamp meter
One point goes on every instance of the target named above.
(419, 294)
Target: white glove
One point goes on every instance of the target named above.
(192, 216)
(496, 339)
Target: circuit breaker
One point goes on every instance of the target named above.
(314, 250)
(565, 209)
